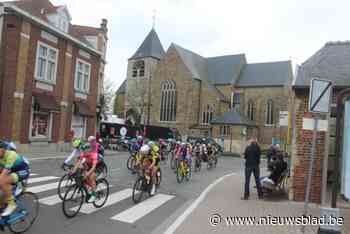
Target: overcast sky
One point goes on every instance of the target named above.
(265, 30)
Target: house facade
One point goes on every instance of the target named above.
(331, 62)
(51, 75)
(187, 91)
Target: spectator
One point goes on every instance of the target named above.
(270, 153)
(252, 156)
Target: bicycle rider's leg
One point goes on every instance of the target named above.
(6, 182)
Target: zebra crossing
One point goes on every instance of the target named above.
(48, 184)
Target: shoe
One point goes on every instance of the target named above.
(11, 207)
(92, 197)
(153, 190)
(244, 198)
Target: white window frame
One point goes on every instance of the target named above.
(45, 78)
(81, 89)
(84, 125)
(45, 139)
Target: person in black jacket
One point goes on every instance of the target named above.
(252, 156)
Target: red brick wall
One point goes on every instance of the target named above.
(11, 37)
(302, 160)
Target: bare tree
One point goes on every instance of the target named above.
(137, 99)
(106, 97)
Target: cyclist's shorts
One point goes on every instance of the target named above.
(20, 175)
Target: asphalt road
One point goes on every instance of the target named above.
(153, 215)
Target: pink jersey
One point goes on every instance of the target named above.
(90, 157)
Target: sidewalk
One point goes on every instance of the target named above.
(225, 199)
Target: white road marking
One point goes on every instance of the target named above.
(172, 228)
(51, 200)
(41, 179)
(33, 174)
(138, 211)
(55, 199)
(43, 188)
(112, 199)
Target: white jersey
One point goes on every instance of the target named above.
(75, 153)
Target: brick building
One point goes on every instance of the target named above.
(181, 89)
(331, 62)
(51, 74)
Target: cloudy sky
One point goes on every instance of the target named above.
(265, 30)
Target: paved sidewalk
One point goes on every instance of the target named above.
(225, 199)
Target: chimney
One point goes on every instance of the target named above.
(104, 25)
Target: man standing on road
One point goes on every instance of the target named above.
(252, 156)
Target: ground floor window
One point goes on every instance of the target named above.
(79, 124)
(225, 130)
(41, 125)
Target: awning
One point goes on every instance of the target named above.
(82, 108)
(45, 102)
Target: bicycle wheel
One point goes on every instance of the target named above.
(102, 170)
(102, 193)
(128, 162)
(138, 189)
(188, 173)
(172, 161)
(64, 184)
(72, 201)
(159, 177)
(179, 174)
(26, 202)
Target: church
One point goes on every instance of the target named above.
(223, 97)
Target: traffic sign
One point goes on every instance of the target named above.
(320, 96)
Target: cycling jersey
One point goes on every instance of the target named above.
(16, 164)
(90, 157)
(155, 155)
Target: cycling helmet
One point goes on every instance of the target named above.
(91, 138)
(139, 138)
(76, 143)
(145, 149)
(12, 146)
(151, 143)
(100, 141)
(85, 148)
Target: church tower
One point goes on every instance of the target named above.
(139, 76)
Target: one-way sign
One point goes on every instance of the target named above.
(320, 96)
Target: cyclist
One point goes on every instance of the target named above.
(14, 168)
(77, 143)
(89, 158)
(155, 165)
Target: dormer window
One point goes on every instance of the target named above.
(62, 24)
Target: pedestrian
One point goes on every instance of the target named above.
(252, 155)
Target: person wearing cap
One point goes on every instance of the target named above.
(14, 168)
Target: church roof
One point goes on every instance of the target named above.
(150, 47)
(232, 117)
(331, 62)
(265, 74)
(122, 88)
(224, 70)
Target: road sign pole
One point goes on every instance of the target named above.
(311, 167)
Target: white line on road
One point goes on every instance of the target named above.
(138, 211)
(51, 200)
(112, 199)
(41, 179)
(172, 228)
(54, 199)
(42, 188)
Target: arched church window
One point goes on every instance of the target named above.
(207, 115)
(138, 68)
(251, 110)
(269, 112)
(168, 101)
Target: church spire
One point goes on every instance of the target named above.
(150, 47)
